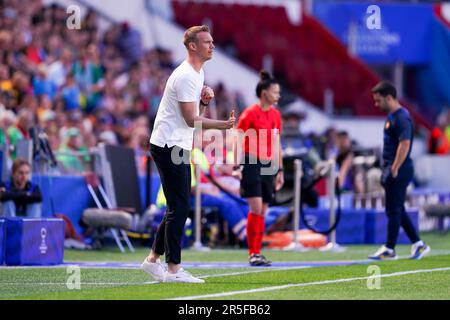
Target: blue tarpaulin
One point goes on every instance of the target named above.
(404, 35)
(69, 195)
(34, 241)
(2, 240)
(358, 226)
(433, 80)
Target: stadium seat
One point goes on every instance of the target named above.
(257, 30)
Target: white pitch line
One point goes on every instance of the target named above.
(153, 282)
(254, 271)
(136, 267)
(273, 288)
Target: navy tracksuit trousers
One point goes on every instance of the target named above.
(395, 191)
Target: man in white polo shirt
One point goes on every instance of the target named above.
(184, 100)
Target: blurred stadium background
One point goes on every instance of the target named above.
(78, 101)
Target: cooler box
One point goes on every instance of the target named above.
(2, 241)
(34, 241)
(376, 227)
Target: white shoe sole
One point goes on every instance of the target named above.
(427, 250)
(182, 281)
(145, 266)
(383, 259)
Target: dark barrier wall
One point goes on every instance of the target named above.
(124, 174)
(2, 240)
(433, 80)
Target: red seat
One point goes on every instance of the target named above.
(309, 57)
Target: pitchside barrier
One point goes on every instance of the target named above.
(69, 195)
(433, 205)
(2, 241)
(34, 241)
(358, 226)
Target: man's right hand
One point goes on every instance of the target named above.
(231, 121)
(386, 176)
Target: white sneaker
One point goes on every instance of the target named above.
(384, 253)
(155, 269)
(182, 276)
(419, 250)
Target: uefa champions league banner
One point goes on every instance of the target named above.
(380, 33)
(358, 226)
(34, 241)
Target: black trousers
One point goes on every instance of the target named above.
(176, 184)
(395, 190)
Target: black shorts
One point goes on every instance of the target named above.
(255, 184)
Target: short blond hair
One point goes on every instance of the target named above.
(191, 34)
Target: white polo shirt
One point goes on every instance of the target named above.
(184, 85)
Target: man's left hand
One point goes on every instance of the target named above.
(394, 173)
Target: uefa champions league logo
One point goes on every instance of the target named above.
(312, 220)
(43, 247)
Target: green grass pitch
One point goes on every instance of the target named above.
(428, 278)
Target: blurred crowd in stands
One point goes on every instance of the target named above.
(439, 140)
(79, 87)
(82, 87)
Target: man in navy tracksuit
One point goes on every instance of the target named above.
(398, 172)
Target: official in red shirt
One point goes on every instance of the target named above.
(262, 172)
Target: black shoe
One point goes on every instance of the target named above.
(257, 260)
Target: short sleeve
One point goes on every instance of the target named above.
(244, 121)
(403, 128)
(278, 120)
(185, 89)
